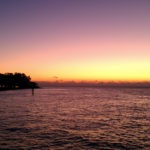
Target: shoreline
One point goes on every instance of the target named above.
(8, 89)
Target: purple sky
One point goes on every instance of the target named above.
(48, 38)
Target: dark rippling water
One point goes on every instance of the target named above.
(75, 118)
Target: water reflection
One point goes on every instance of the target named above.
(75, 118)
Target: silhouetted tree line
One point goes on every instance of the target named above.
(16, 81)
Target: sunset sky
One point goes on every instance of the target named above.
(104, 40)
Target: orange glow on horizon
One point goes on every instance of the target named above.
(99, 42)
(95, 71)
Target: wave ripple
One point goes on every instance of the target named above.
(75, 118)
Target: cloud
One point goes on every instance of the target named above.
(55, 77)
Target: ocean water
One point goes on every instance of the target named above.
(75, 118)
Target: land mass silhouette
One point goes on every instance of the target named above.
(12, 81)
(99, 84)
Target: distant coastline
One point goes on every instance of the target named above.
(95, 84)
(14, 81)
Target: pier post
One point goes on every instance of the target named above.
(32, 91)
